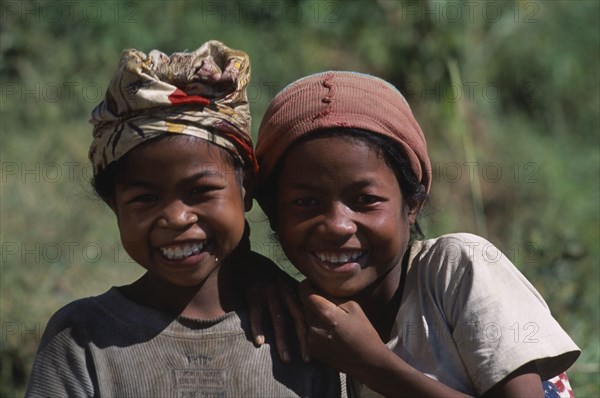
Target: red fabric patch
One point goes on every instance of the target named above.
(178, 97)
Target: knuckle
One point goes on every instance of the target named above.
(328, 314)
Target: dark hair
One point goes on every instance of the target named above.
(392, 154)
(104, 182)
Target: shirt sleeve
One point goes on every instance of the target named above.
(499, 321)
(60, 368)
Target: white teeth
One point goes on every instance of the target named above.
(179, 252)
(341, 258)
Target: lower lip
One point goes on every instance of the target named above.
(186, 261)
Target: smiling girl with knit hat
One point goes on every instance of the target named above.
(173, 158)
(344, 171)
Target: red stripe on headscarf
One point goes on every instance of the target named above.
(178, 97)
(242, 142)
(246, 147)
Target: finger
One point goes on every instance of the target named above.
(292, 302)
(317, 333)
(255, 312)
(279, 324)
(317, 308)
(305, 288)
(318, 340)
(351, 307)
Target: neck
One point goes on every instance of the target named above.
(381, 301)
(211, 299)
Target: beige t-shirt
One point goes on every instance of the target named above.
(469, 318)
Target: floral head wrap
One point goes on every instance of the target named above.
(200, 93)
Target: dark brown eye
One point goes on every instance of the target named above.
(145, 198)
(305, 202)
(368, 199)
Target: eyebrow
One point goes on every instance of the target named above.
(204, 174)
(317, 185)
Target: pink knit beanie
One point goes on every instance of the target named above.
(340, 99)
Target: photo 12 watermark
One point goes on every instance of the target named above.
(453, 12)
(70, 12)
(514, 332)
(65, 252)
(470, 91)
(46, 172)
(491, 172)
(70, 92)
(318, 12)
(21, 332)
(51, 92)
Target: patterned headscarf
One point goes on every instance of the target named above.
(200, 93)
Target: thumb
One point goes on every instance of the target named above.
(312, 301)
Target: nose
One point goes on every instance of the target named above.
(177, 215)
(338, 221)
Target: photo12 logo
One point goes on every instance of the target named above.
(21, 332)
(438, 11)
(270, 11)
(46, 172)
(70, 12)
(491, 172)
(51, 92)
(28, 253)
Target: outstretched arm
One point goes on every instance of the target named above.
(267, 287)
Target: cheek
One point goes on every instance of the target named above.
(391, 233)
(281, 223)
(291, 231)
(133, 224)
(389, 225)
(132, 238)
(228, 217)
(290, 241)
(285, 239)
(126, 225)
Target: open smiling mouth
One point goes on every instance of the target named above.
(183, 251)
(339, 258)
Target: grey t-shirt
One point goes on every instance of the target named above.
(109, 346)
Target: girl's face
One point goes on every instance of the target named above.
(342, 218)
(180, 209)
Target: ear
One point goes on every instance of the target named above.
(273, 224)
(246, 195)
(415, 203)
(247, 200)
(111, 202)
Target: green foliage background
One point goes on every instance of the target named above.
(507, 93)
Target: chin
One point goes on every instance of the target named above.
(339, 291)
(182, 282)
